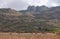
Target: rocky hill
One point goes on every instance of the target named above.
(34, 19)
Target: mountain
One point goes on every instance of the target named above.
(37, 8)
(34, 19)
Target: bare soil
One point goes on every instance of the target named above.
(29, 36)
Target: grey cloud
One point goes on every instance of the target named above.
(23, 4)
(56, 1)
(17, 5)
(53, 3)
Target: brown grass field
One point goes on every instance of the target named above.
(29, 36)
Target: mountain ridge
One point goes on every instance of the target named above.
(34, 19)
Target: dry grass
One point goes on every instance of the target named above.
(28, 36)
(12, 14)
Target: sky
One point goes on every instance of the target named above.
(23, 4)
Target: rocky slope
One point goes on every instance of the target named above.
(34, 19)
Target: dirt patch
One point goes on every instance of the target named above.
(28, 36)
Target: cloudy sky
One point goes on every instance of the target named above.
(23, 4)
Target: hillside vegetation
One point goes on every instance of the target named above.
(34, 19)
